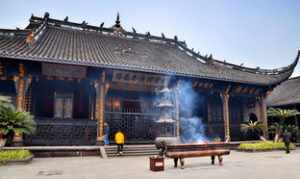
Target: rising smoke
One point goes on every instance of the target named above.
(191, 126)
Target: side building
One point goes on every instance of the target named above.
(75, 77)
(287, 96)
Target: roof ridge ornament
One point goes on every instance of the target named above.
(148, 35)
(176, 38)
(101, 27)
(29, 38)
(46, 15)
(133, 30)
(134, 33)
(117, 28)
(118, 22)
(66, 19)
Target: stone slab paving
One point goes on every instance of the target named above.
(239, 165)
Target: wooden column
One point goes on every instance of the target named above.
(20, 85)
(225, 99)
(20, 88)
(263, 114)
(101, 90)
(177, 109)
(297, 124)
(209, 116)
(91, 101)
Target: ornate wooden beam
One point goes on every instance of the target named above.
(245, 90)
(202, 86)
(252, 90)
(2, 70)
(238, 89)
(132, 87)
(136, 78)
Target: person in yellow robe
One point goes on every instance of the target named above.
(119, 139)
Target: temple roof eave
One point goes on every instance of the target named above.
(231, 72)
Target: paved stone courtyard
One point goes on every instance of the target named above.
(275, 165)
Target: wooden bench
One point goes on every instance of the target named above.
(181, 151)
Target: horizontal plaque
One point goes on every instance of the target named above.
(63, 70)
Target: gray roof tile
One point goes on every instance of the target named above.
(59, 44)
(287, 93)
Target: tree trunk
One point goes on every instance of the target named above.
(276, 139)
(262, 138)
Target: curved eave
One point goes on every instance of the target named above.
(124, 67)
(288, 71)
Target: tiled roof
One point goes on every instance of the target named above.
(287, 93)
(81, 44)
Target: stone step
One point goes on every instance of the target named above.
(132, 154)
(132, 150)
(131, 146)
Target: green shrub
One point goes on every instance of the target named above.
(7, 155)
(264, 146)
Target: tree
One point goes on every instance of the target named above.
(282, 115)
(255, 127)
(4, 101)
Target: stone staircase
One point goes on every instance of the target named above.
(132, 150)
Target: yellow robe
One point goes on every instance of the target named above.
(119, 138)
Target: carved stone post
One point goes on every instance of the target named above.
(225, 99)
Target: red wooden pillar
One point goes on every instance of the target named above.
(225, 99)
(209, 116)
(263, 114)
(20, 100)
(101, 90)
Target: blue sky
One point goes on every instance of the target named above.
(261, 33)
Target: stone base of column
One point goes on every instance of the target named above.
(227, 139)
(100, 141)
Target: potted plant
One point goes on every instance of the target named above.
(4, 102)
(2, 139)
(254, 128)
(13, 121)
(283, 115)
